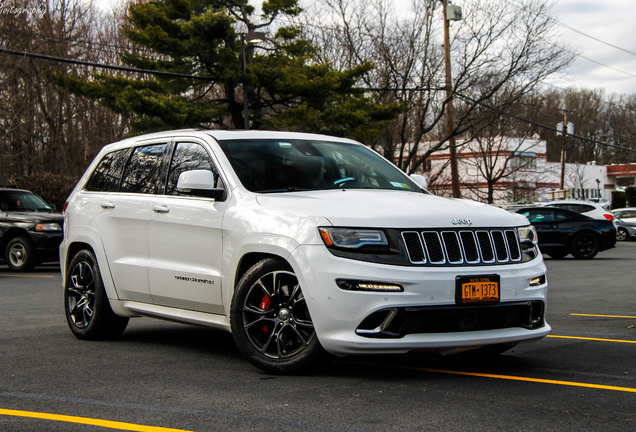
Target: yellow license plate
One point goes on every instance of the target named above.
(477, 289)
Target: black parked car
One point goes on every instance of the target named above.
(30, 229)
(562, 232)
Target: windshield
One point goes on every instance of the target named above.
(273, 165)
(22, 201)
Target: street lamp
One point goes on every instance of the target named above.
(252, 37)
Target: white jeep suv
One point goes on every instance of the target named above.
(298, 244)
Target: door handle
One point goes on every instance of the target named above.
(160, 209)
(107, 205)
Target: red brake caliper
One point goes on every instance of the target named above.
(266, 302)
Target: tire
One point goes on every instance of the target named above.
(88, 311)
(270, 320)
(621, 234)
(585, 246)
(20, 254)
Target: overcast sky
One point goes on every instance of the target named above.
(612, 22)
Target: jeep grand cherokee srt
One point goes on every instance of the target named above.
(297, 244)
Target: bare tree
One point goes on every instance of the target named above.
(46, 131)
(496, 159)
(499, 55)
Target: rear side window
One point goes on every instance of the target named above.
(576, 208)
(188, 157)
(107, 175)
(142, 171)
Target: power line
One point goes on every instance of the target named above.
(532, 122)
(208, 78)
(559, 23)
(105, 66)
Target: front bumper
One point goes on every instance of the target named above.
(47, 245)
(340, 315)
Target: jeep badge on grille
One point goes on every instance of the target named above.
(466, 222)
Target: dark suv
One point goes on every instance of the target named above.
(30, 229)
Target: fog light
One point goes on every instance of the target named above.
(537, 281)
(358, 285)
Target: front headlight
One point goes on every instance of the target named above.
(528, 234)
(352, 238)
(48, 227)
(529, 241)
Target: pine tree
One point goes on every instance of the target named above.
(209, 41)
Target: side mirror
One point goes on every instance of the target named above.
(419, 180)
(199, 183)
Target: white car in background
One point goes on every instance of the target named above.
(627, 214)
(586, 208)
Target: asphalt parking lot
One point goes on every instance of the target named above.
(162, 376)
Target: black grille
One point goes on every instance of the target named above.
(397, 323)
(457, 247)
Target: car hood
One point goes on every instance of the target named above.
(30, 216)
(390, 209)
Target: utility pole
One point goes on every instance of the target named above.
(450, 12)
(566, 129)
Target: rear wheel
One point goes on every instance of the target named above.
(88, 311)
(270, 320)
(585, 246)
(621, 234)
(20, 254)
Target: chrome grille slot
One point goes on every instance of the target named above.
(434, 248)
(500, 246)
(453, 250)
(414, 247)
(485, 245)
(470, 246)
(455, 247)
(513, 245)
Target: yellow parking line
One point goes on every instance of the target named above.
(504, 377)
(536, 380)
(88, 421)
(27, 276)
(603, 316)
(592, 339)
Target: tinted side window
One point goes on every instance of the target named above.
(107, 174)
(142, 171)
(188, 157)
(628, 214)
(562, 216)
(540, 215)
(577, 208)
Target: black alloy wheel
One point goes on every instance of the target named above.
(88, 311)
(270, 320)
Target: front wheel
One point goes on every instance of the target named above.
(621, 234)
(585, 246)
(270, 320)
(20, 254)
(88, 311)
